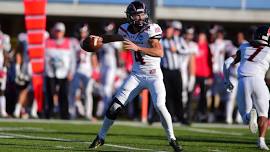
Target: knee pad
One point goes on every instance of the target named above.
(2, 92)
(114, 109)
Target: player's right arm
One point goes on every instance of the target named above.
(112, 38)
(93, 42)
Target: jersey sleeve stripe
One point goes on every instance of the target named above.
(124, 30)
(158, 36)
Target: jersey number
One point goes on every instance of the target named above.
(139, 58)
(252, 56)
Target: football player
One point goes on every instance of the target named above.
(5, 47)
(108, 63)
(252, 93)
(143, 39)
(188, 68)
(82, 76)
(219, 49)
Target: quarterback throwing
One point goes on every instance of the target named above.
(143, 39)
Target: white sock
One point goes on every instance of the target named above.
(80, 107)
(3, 105)
(229, 110)
(89, 108)
(261, 139)
(107, 123)
(89, 100)
(166, 121)
(100, 108)
(17, 110)
(34, 109)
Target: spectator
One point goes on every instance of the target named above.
(23, 79)
(82, 79)
(188, 68)
(203, 74)
(60, 66)
(219, 48)
(108, 65)
(170, 65)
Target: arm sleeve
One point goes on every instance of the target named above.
(155, 32)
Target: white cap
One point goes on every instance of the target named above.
(59, 26)
(84, 28)
(190, 30)
(177, 25)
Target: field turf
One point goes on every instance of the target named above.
(56, 135)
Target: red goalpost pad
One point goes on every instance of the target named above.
(35, 23)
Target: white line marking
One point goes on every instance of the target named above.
(6, 137)
(124, 123)
(130, 148)
(214, 131)
(63, 147)
(23, 129)
(215, 150)
(12, 135)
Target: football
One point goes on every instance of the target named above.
(92, 43)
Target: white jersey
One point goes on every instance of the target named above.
(4, 46)
(218, 50)
(84, 66)
(143, 63)
(60, 57)
(254, 61)
(185, 54)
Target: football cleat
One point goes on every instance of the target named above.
(97, 143)
(262, 145)
(253, 125)
(176, 146)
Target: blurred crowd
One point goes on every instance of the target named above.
(80, 85)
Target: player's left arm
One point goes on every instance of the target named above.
(155, 49)
(234, 59)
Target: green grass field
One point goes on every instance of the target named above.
(55, 135)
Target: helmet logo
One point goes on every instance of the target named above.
(140, 10)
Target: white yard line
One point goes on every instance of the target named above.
(120, 122)
(12, 135)
(24, 129)
(6, 137)
(208, 131)
(215, 150)
(131, 148)
(63, 147)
